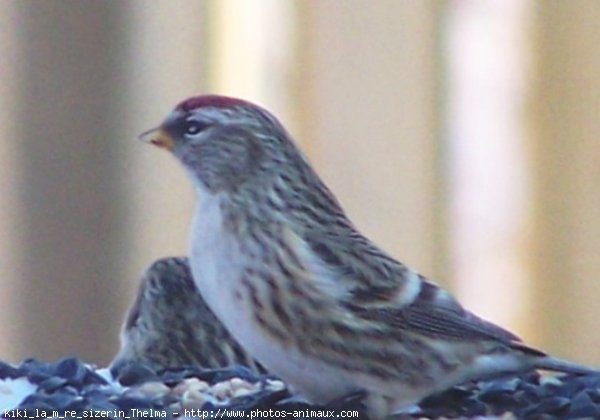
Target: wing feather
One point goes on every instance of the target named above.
(375, 287)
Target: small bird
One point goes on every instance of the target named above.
(305, 293)
(169, 325)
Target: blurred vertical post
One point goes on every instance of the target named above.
(566, 152)
(254, 54)
(68, 247)
(489, 182)
(369, 104)
(9, 246)
(166, 64)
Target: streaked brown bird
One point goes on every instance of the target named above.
(310, 297)
(170, 325)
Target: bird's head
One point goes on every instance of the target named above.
(223, 142)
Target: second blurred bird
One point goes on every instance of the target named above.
(161, 337)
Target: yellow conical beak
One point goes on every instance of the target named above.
(158, 137)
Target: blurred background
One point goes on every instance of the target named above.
(460, 135)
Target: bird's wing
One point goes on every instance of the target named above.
(380, 289)
(437, 322)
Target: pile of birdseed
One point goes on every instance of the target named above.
(71, 388)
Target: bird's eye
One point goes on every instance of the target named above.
(193, 127)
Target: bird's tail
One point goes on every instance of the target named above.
(539, 360)
(559, 365)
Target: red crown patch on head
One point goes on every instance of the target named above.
(215, 101)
